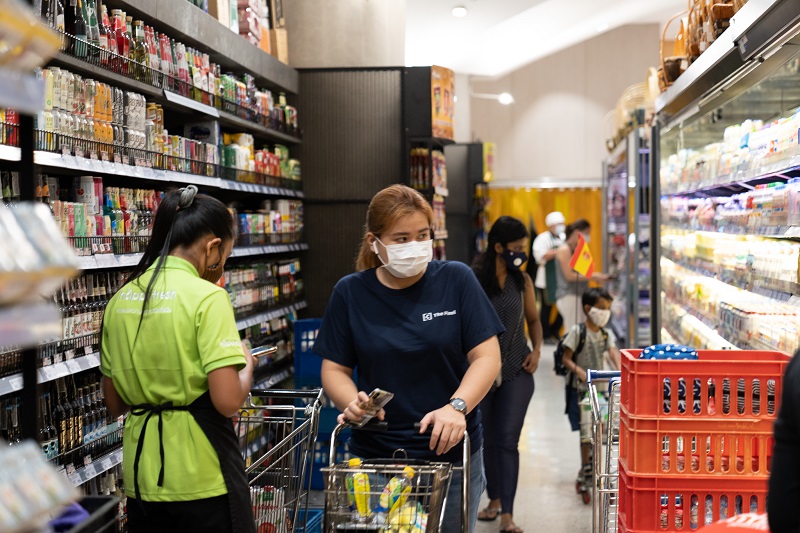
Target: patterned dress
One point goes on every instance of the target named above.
(513, 350)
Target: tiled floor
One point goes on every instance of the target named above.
(546, 499)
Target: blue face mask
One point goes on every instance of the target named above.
(514, 260)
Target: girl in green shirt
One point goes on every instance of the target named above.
(172, 358)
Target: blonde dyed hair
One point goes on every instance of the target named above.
(386, 208)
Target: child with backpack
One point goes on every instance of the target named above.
(585, 347)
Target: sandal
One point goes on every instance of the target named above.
(489, 514)
(511, 528)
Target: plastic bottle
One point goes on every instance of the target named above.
(350, 483)
(664, 515)
(394, 495)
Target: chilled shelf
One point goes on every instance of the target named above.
(13, 383)
(83, 164)
(26, 325)
(269, 315)
(702, 334)
(95, 468)
(775, 232)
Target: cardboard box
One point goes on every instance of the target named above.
(220, 10)
(207, 131)
(264, 43)
(279, 44)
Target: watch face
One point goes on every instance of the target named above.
(459, 405)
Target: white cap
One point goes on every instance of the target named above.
(556, 217)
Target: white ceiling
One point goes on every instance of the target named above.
(499, 36)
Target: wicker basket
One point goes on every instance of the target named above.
(674, 65)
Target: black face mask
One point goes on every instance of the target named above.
(514, 260)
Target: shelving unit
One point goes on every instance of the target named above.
(29, 154)
(626, 238)
(726, 232)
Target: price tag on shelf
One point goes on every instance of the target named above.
(15, 383)
(49, 373)
(93, 154)
(65, 150)
(106, 464)
(126, 160)
(87, 350)
(69, 161)
(74, 478)
(106, 260)
(147, 172)
(117, 158)
(89, 471)
(93, 360)
(104, 156)
(73, 366)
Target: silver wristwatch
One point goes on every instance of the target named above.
(459, 405)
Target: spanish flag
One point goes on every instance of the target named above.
(582, 261)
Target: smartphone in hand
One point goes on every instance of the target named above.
(377, 400)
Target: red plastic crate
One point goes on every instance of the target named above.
(695, 446)
(749, 373)
(640, 497)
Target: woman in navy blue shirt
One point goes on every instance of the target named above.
(421, 329)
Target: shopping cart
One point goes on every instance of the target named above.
(425, 500)
(277, 430)
(605, 448)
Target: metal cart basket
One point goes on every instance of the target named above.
(277, 430)
(605, 452)
(420, 508)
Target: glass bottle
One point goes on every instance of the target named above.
(89, 12)
(122, 42)
(140, 55)
(80, 31)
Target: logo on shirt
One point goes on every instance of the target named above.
(426, 317)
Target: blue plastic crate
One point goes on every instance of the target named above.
(319, 459)
(306, 364)
(314, 522)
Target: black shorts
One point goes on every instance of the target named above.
(573, 408)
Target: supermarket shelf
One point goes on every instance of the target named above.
(440, 235)
(232, 121)
(190, 104)
(269, 249)
(13, 383)
(92, 262)
(190, 25)
(269, 315)
(21, 91)
(702, 325)
(780, 290)
(105, 75)
(96, 467)
(775, 232)
(431, 140)
(741, 180)
(83, 164)
(26, 325)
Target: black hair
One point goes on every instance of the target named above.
(176, 226)
(504, 231)
(579, 225)
(591, 296)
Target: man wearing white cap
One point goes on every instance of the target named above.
(544, 251)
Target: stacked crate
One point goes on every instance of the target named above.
(696, 437)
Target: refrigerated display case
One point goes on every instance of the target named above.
(626, 238)
(727, 157)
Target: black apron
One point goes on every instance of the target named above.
(220, 433)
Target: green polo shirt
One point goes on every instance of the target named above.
(188, 331)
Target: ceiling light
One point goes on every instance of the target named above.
(459, 11)
(602, 27)
(505, 99)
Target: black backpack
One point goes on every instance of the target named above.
(558, 355)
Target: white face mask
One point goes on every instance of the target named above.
(600, 317)
(558, 229)
(586, 238)
(405, 260)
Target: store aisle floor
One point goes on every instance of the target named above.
(546, 498)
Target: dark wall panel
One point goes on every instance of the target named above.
(352, 132)
(333, 232)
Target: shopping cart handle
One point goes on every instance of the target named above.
(374, 425)
(601, 375)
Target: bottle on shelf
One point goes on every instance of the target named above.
(140, 54)
(80, 29)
